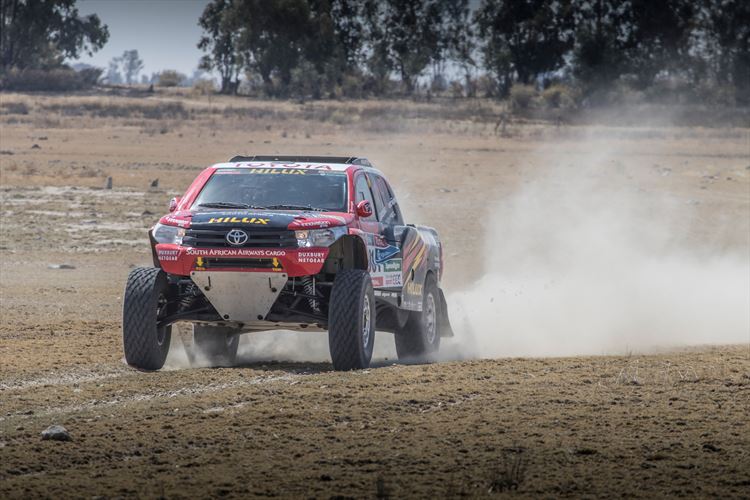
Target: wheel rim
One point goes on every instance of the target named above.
(366, 322)
(161, 312)
(429, 317)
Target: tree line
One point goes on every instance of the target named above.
(376, 47)
(361, 48)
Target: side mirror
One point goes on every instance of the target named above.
(364, 209)
(173, 203)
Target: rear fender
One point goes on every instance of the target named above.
(420, 252)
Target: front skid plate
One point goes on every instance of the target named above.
(240, 296)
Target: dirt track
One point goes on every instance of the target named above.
(668, 424)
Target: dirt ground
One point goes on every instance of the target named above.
(671, 423)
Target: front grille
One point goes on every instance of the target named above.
(241, 264)
(256, 238)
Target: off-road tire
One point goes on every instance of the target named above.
(352, 305)
(145, 345)
(419, 339)
(217, 344)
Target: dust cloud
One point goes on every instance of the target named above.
(577, 261)
(576, 264)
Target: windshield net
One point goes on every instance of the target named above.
(276, 187)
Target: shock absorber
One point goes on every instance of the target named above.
(308, 285)
(188, 296)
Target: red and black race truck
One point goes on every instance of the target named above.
(287, 242)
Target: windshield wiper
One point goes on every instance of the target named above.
(296, 207)
(228, 204)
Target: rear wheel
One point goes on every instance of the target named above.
(351, 320)
(419, 339)
(217, 344)
(145, 303)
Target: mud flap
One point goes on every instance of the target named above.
(445, 324)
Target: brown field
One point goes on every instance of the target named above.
(667, 423)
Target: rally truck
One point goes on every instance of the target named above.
(287, 243)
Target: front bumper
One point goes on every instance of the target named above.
(183, 261)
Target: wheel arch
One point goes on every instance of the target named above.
(348, 252)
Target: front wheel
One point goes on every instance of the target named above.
(217, 344)
(351, 320)
(146, 344)
(419, 339)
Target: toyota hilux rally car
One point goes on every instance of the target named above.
(287, 242)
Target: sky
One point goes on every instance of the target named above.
(164, 32)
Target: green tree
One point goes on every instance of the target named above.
(131, 66)
(599, 56)
(458, 36)
(411, 31)
(658, 37)
(42, 33)
(523, 39)
(221, 40)
(727, 27)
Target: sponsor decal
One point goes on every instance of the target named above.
(199, 264)
(311, 257)
(383, 254)
(305, 166)
(314, 223)
(237, 220)
(279, 171)
(178, 222)
(337, 218)
(413, 288)
(386, 279)
(392, 265)
(234, 252)
(276, 265)
(392, 279)
(167, 255)
(386, 294)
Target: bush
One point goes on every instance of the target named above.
(170, 78)
(90, 76)
(559, 97)
(61, 79)
(714, 94)
(352, 86)
(204, 87)
(485, 86)
(15, 108)
(522, 96)
(457, 89)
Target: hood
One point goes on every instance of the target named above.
(291, 219)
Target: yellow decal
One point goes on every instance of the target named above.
(281, 171)
(275, 262)
(199, 263)
(237, 220)
(413, 288)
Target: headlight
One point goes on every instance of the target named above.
(168, 234)
(318, 237)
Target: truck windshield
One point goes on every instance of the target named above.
(274, 188)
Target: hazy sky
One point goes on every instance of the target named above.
(165, 32)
